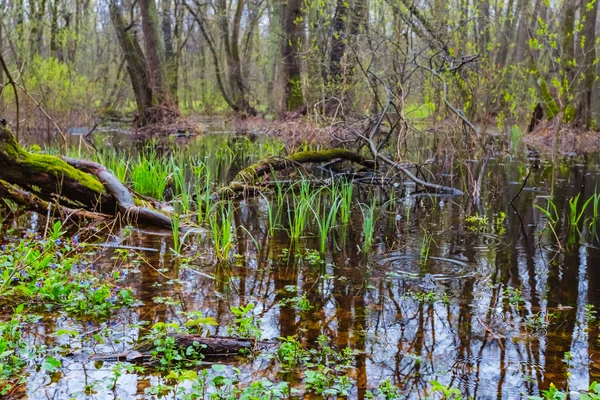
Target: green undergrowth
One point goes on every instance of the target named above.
(55, 274)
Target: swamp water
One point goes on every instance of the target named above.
(497, 306)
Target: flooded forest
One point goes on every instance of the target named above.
(299, 199)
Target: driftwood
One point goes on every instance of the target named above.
(212, 347)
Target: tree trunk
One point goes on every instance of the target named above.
(155, 52)
(136, 64)
(154, 104)
(505, 36)
(2, 5)
(587, 82)
(54, 51)
(293, 18)
(521, 33)
(171, 65)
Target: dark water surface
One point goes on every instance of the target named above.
(490, 282)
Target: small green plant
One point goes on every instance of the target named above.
(477, 223)
(446, 392)
(246, 324)
(368, 213)
(325, 217)
(221, 227)
(425, 247)
(575, 215)
(429, 297)
(49, 273)
(291, 354)
(538, 322)
(513, 295)
(167, 352)
(177, 242)
(13, 349)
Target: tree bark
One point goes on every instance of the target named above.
(155, 51)
(587, 82)
(136, 63)
(292, 62)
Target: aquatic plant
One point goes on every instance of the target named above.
(150, 175)
(300, 206)
(425, 247)
(345, 189)
(220, 221)
(245, 323)
(575, 214)
(13, 348)
(325, 216)
(177, 243)
(445, 391)
(273, 213)
(368, 213)
(165, 350)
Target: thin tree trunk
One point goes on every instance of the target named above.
(170, 51)
(587, 84)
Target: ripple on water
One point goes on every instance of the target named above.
(439, 268)
(476, 240)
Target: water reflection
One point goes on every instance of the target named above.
(509, 313)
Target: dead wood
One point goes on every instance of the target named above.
(125, 201)
(77, 187)
(31, 202)
(245, 181)
(213, 347)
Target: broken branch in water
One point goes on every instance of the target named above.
(214, 346)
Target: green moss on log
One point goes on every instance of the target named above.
(255, 171)
(43, 163)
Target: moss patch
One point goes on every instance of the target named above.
(44, 163)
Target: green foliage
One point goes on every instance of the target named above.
(46, 273)
(12, 350)
(166, 350)
(446, 392)
(246, 324)
(61, 87)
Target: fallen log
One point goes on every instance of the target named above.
(34, 203)
(73, 185)
(245, 181)
(50, 178)
(125, 202)
(211, 347)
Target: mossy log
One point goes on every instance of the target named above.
(245, 180)
(69, 183)
(252, 173)
(50, 178)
